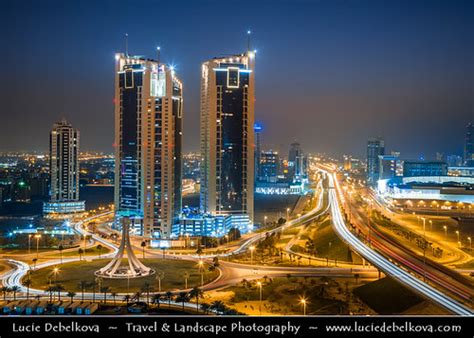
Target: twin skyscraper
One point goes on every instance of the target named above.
(148, 141)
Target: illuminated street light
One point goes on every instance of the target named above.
(37, 245)
(303, 302)
(457, 233)
(470, 243)
(252, 248)
(445, 231)
(260, 285)
(201, 270)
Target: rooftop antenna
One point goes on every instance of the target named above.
(158, 51)
(126, 44)
(248, 39)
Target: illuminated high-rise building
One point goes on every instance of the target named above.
(64, 170)
(375, 148)
(469, 146)
(148, 141)
(227, 135)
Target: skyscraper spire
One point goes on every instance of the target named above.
(249, 32)
(126, 44)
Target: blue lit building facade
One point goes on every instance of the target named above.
(148, 142)
(227, 135)
(375, 148)
(424, 168)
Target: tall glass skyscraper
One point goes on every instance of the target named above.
(148, 142)
(64, 170)
(227, 135)
(469, 146)
(375, 148)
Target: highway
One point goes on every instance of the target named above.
(380, 261)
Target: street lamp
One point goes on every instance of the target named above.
(470, 243)
(129, 272)
(37, 245)
(445, 231)
(252, 248)
(457, 233)
(287, 214)
(201, 265)
(265, 220)
(303, 302)
(424, 248)
(56, 272)
(260, 285)
(29, 244)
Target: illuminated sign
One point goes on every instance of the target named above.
(158, 84)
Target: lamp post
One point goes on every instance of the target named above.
(29, 244)
(457, 233)
(260, 285)
(303, 302)
(470, 243)
(186, 276)
(287, 214)
(424, 248)
(445, 231)
(56, 272)
(201, 265)
(265, 220)
(37, 245)
(252, 248)
(129, 272)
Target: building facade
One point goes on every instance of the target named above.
(375, 148)
(227, 135)
(297, 162)
(148, 143)
(64, 170)
(469, 146)
(424, 168)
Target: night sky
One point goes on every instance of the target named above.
(329, 74)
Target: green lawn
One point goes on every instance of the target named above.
(328, 244)
(72, 273)
(387, 296)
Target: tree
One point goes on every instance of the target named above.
(83, 284)
(34, 263)
(27, 283)
(114, 296)
(169, 296)
(196, 293)
(80, 252)
(156, 299)
(218, 306)
(71, 294)
(5, 290)
(147, 289)
(50, 289)
(126, 299)
(99, 248)
(182, 297)
(14, 289)
(59, 288)
(215, 261)
(143, 245)
(205, 307)
(104, 290)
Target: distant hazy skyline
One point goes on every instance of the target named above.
(329, 74)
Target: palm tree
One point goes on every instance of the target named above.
(137, 295)
(196, 293)
(104, 290)
(93, 284)
(356, 276)
(50, 289)
(5, 290)
(114, 295)
(126, 299)
(169, 295)
(71, 294)
(147, 289)
(99, 248)
(14, 289)
(218, 306)
(80, 252)
(83, 285)
(59, 288)
(205, 307)
(156, 299)
(143, 245)
(27, 283)
(182, 297)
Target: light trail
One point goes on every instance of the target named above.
(382, 263)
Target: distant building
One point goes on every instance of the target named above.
(269, 166)
(387, 166)
(454, 160)
(424, 168)
(227, 135)
(64, 170)
(469, 146)
(258, 148)
(298, 163)
(210, 225)
(461, 171)
(375, 148)
(148, 145)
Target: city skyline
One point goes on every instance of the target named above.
(441, 75)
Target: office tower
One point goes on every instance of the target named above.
(258, 149)
(64, 170)
(424, 168)
(375, 148)
(469, 146)
(388, 166)
(269, 166)
(454, 160)
(227, 135)
(297, 162)
(148, 138)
